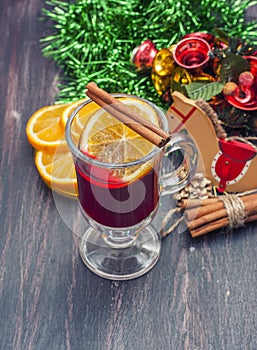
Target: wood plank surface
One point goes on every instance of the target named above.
(200, 296)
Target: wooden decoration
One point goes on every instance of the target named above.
(229, 163)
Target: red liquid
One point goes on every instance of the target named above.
(113, 203)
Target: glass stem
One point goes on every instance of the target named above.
(119, 238)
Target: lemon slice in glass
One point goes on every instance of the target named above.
(110, 141)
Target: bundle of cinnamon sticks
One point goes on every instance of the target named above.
(204, 216)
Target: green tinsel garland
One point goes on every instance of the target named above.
(94, 39)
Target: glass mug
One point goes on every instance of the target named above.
(119, 186)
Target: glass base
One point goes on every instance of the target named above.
(120, 264)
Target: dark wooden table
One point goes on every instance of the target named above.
(200, 296)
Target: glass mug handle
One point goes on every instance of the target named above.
(179, 163)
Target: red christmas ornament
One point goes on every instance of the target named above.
(144, 54)
(192, 53)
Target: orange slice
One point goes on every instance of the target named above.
(45, 131)
(66, 113)
(58, 171)
(110, 141)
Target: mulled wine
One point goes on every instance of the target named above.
(113, 203)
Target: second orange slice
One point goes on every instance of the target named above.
(58, 171)
(44, 130)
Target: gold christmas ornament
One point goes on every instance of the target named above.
(182, 76)
(163, 63)
(161, 84)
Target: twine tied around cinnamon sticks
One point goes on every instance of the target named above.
(235, 209)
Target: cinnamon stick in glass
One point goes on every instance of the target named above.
(126, 115)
